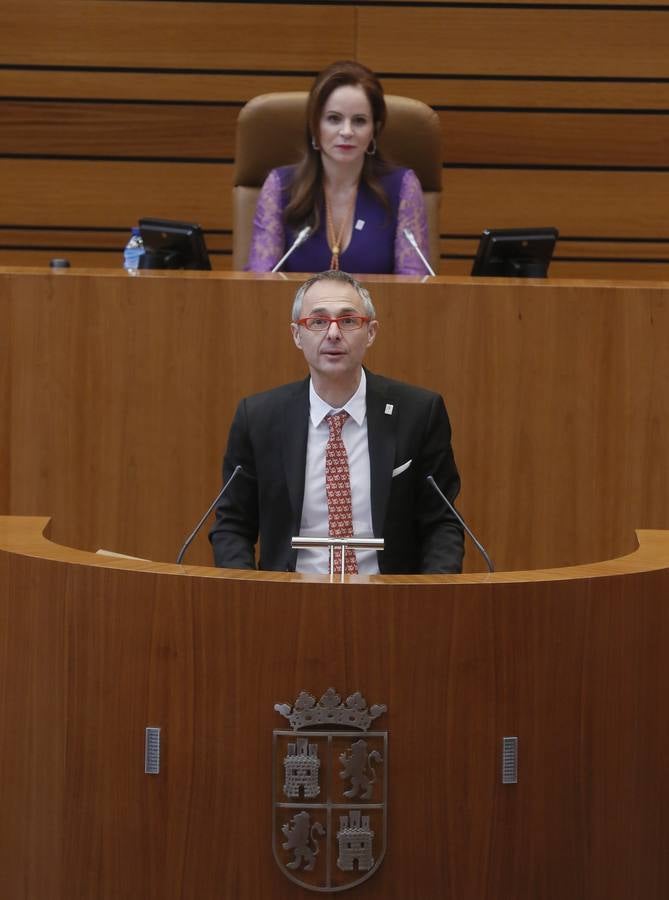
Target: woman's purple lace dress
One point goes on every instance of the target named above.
(377, 244)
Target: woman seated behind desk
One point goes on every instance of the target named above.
(356, 203)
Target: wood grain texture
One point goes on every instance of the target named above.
(104, 194)
(118, 130)
(501, 3)
(579, 203)
(531, 93)
(172, 131)
(617, 204)
(231, 87)
(215, 36)
(558, 395)
(554, 139)
(604, 270)
(5, 403)
(219, 87)
(507, 41)
(87, 240)
(575, 668)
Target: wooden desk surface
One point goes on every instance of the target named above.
(94, 651)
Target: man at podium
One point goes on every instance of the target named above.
(343, 453)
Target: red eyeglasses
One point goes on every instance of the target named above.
(344, 323)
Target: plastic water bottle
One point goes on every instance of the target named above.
(134, 250)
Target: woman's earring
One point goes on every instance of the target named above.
(313, 143)
(372, 151)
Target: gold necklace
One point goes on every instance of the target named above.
(334, 240)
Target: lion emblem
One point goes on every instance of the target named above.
(301, 840)
(359, 769)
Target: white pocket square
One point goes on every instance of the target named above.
(402, 468)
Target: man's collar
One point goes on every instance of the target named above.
(356, 407)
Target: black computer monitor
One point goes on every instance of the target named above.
(515, 252)
(172, 245)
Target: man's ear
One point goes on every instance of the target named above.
(295, 329)
(372, 331)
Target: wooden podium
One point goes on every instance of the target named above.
(573, 662)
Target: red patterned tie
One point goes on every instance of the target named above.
(338, 491)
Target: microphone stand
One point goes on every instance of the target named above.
(191, 537)
(409, 235)
(478, 544)
(300, 239)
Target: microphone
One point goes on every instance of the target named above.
(457, 515)
(300, 239)
(191, 536)
(409, 235)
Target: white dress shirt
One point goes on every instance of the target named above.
(315, 506)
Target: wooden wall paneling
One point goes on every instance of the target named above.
(114, 194)
(118, 130)
(597, 204)
(93, 240)
(520, 92)
(181, 36)
(540, 41)
(88, 248)
(184, 131)
(229, 86)
(5, 400)
(220, 87)
(503, 3)
(28, 256)
(558, 394)
(583, 139)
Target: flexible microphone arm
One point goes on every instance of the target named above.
(457, 515)
(191, 536)
(300, 239)
(409, 235)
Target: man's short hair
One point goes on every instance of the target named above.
(333, 275)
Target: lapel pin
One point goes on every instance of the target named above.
(389, 409)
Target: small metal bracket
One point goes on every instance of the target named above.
(509, 760)
(152, 751)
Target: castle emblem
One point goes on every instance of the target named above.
(301, 765)
(355, 842)
(329, 760)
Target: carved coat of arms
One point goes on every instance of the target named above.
(330, 791)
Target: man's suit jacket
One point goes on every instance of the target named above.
(268, 438)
